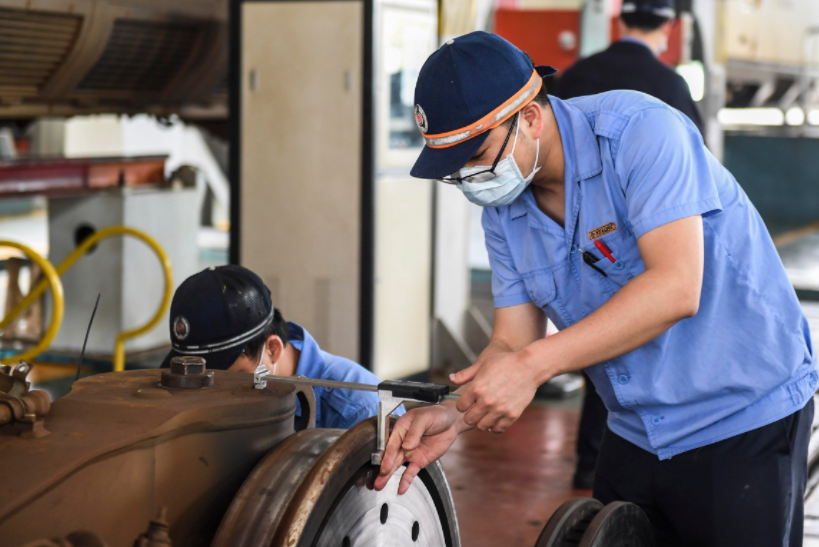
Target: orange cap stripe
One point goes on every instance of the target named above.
(491, 120)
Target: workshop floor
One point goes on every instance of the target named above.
(507, 486)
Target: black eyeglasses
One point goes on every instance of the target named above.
(489, 174)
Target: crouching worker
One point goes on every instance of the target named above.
(225, 315)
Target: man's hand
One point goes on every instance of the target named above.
(501, 387)
(419, 437)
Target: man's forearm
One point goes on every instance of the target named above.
(642, 310)
(496, 346)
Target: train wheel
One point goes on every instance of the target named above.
(314, 490)
(569, 523)
(619, 524)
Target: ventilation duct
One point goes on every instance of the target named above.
(100, 56)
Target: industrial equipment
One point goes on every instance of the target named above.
(191, 457)
(52, 280)
(68, 57)
(107, 458)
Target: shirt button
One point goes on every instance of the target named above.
(623, 379)
(619, 265)
(574, 249)
(656, 420)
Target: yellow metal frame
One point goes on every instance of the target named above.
(93, 239)
(52, 280)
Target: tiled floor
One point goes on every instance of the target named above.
(507, 486)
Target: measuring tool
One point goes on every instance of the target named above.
(391, 394)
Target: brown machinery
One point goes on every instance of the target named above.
(126, 459)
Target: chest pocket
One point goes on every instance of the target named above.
(627, 260)
(540, 285)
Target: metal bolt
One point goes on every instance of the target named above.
(187, 372)
(188, 365)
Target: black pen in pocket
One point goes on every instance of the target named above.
(590, 259)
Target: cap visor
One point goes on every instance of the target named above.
(436, 163)
(545, 70)
(221, 360)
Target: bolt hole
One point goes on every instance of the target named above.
(385, 512)
(345, 542)
(83, 232)
(416, 529)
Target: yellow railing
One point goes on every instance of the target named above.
(52, 281)
(90, 241)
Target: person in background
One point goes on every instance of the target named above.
(631, 63)
(225, 314)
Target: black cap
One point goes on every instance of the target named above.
(216, 312)
(662, 8)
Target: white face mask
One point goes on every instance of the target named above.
(507, 184)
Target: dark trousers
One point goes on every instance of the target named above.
(592, 425)
(744, 491)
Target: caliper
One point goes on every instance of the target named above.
(391, 394)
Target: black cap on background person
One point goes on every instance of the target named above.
(216, 312)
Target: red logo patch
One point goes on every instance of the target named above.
(181, 328)
(421, 119)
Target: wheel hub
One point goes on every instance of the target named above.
(366, 518)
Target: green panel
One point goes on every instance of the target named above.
(780, 175)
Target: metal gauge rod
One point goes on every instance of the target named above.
(411, 390)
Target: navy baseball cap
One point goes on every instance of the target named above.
(216, 312)
(469, 86)
(661, 8)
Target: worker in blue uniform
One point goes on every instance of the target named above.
(610, 216)
(225, 314)
(630, 63)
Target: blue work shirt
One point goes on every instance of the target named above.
(633, 164)
(338, 408)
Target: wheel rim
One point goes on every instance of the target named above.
(363, 517)
(619, 524)
(568, 524)
(313, 490)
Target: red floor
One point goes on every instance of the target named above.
(507, 486)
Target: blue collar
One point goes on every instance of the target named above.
(311, 361)
(581, 157)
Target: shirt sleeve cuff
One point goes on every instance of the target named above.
(510, 300)
(675, 213)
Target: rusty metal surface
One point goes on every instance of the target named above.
(16, 408)
(24, 408)
(74, 539)
(157, 533)
(121, 446)
(257, 509)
